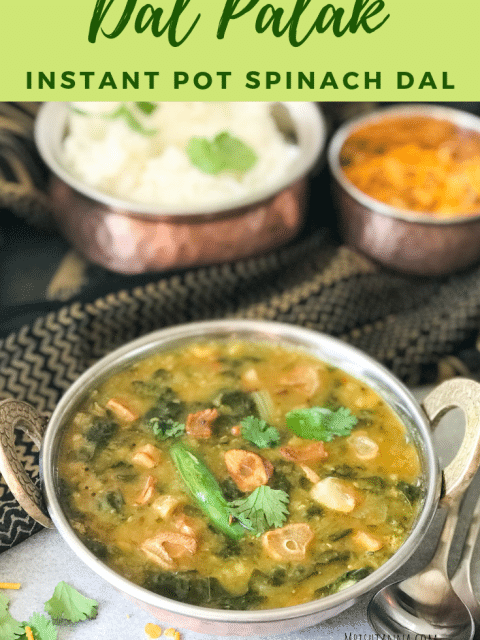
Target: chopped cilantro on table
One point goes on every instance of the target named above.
(259, 432)
(9, 627)
(319, 423)
(223, 153)
(42, 628)
(68, 604)
(263, 509)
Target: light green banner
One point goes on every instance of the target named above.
(240, 50)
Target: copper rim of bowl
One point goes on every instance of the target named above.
(310, 129)
(457, 117)
(322, 346)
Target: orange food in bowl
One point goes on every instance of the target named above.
(418, 163)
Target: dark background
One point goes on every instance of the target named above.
(31, 256)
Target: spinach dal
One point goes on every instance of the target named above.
(239, 475)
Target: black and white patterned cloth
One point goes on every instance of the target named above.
(414, 326)
(15, 524)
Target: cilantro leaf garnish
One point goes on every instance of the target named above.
(263, 509)
(79, 111)
(224, 153)
(68, 604)
(147, 107)
(259, 432)
(166, 428)
(9, 627)
(319, 423)
(42, 628)
(124, 112)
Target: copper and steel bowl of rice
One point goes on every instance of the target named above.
(139, 187)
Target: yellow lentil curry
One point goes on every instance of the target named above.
(418, 163)
(239, 475)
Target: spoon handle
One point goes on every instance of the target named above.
(463, 394)
(462, 581)
(442, 551)
(470, 540)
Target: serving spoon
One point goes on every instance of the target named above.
(425, 604)
(462, 580)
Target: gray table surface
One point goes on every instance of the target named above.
(42, 561)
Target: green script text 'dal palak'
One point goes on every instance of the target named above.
(112, 17)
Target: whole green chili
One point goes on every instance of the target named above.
(204, 488)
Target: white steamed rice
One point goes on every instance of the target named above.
(110, 156)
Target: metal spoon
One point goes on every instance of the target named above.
(462, 581)
(426, 603)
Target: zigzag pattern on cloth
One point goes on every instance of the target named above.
(15, 525)
(408, 324)
(320, 286)
(39, 362)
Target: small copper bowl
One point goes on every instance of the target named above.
(404, 240)
(130, 237)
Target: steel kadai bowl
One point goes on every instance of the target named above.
(418, 421)
(130, 237)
